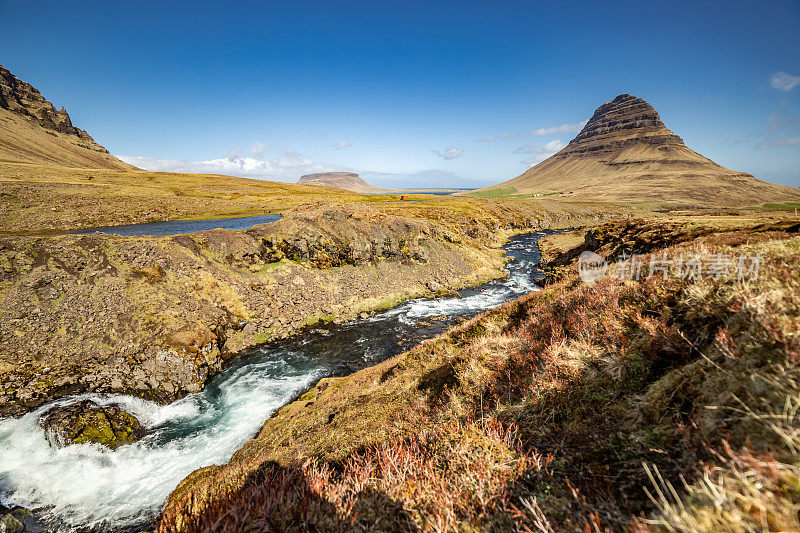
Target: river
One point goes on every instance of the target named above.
(90, 487)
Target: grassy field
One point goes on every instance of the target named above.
(506, 192)
(780, 206)
(41, 198)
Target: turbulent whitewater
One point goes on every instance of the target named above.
(89, 486)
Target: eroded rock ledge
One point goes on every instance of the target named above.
(158, 317)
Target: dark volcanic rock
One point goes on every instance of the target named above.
(624, 120)
(24, 99)
(86, 421)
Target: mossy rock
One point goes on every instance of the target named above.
(10, 524)
(87, 422)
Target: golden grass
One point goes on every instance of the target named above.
(40, 198)
(553, 245)
(23, 140)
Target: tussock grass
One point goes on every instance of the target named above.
(618, 405)
(394, 485)
(750, 488)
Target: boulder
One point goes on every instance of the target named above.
(10, 524)
(86, 422)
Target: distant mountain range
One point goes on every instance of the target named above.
(34, 131)
(626, 153)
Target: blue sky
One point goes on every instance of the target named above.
(408, 93)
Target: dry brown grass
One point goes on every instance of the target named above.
(578, 385)
(435, 480)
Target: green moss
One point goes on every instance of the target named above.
(310, 395)
(101, 435)
(266, 336)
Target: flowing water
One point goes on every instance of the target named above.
(90, 487)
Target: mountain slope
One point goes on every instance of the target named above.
(349, 181)
(32, 130)
(626, 153)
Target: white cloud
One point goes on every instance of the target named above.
(341, 145)
(257, 150)
(540, 132)
(449, 153)
(556, 130)
(290, 166)
(540, 153)
(549, 148)
(503, 136)
(791, 141)
(784, 81)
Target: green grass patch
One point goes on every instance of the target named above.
(779, 206)
(502, 192)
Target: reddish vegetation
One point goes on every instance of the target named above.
(375, 487)
(577, 408)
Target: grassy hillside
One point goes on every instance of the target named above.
(660, 404)
(32, 130)
(654, 183)
(24, 141)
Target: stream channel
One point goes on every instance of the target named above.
(90, 487)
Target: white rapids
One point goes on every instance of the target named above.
(89, 485)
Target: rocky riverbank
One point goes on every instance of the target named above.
(563, 410)
(156, 317)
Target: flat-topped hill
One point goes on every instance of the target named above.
(349, 181)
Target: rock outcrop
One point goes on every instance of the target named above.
(24, 99)
(157, 317)
(87, 422)
(332, 237)
(10, 522)
(626, 153)
(349, 181)
(33, 130)
(625, 121)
